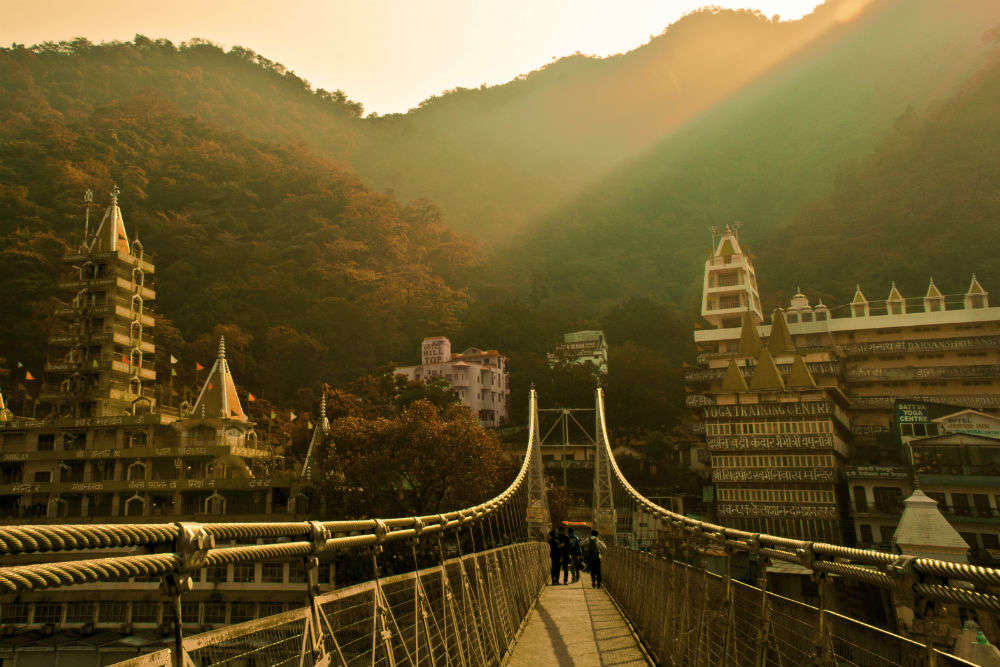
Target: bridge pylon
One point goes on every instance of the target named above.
(539, 521)
(605, 518)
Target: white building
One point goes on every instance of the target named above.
(581, 347)
(479, 378)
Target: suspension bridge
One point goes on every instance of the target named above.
(470, 588)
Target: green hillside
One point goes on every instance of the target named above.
(314, 275)
(925, 204)
(757, 157)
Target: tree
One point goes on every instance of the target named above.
(423, 460)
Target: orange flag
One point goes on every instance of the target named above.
(250, 397)
(28, 375)
(198, 367)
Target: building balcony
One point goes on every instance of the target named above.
(923, 373)
(774, 475)
(971, 343)
(815, 441)
(817, 368)
(888, 403)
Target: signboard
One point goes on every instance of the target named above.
(911, 413)
(971, 422)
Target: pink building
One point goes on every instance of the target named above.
(478, 378)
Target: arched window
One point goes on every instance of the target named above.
(135, 505)
(136, 471)
(215, 504)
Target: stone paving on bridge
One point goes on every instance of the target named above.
(576, 626)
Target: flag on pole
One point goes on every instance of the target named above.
(310, 424)
(211, 385)
(124, 358)
(292, 416)
(198, 367)
(173, 360)
(273, 414)
(250, 397)
(20, 365)
(173, 372)
(28, 376)
(94, 363)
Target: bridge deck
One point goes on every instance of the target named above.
(576, 626)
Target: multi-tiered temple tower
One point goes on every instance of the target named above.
(100, 360)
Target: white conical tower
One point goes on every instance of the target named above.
(321, 429)
(218, 398)
(923, 531)
(110, 235)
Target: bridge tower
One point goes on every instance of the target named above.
(538, 518)
(605, 516)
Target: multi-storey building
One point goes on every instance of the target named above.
(103, 450)
(954, 457)
(479, 378)
(583, 347)
(865, 356)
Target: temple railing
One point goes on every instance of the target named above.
(689, 608)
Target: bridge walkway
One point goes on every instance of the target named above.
(576, 626)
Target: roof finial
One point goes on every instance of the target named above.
(115, 191)
(322, 405)
(222, 347)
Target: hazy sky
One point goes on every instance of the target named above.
(387, 54)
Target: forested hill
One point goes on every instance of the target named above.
(495, 159)
(316, 276)
(925, 204)
(759, 157)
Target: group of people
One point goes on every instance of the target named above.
(569, 554)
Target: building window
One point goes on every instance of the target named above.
(146, 612)
(46, 612)
(111, 612)
(189, 613)
(960, 502)
(80, 612)
(215, 612)
(866, 534)
(243, 573)
(990, 541)
(729, 301)
(46, 442)
(271, 608)
(14, 612)
(241, 611)
(860, 500)
(272, 573)
(43, 476)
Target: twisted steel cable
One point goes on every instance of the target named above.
(40, 539)
(788, 549)
(53, 575)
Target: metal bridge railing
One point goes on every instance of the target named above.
(466, 609)
(688, 615)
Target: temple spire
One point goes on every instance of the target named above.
(110, 235)
(218, 398)
(321, 429)
(780, 341)
(750, 343)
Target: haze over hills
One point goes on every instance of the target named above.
(591, 184)
(759, 156)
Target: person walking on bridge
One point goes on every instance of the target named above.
(593, 551)
(555, 553)
(571, 568)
